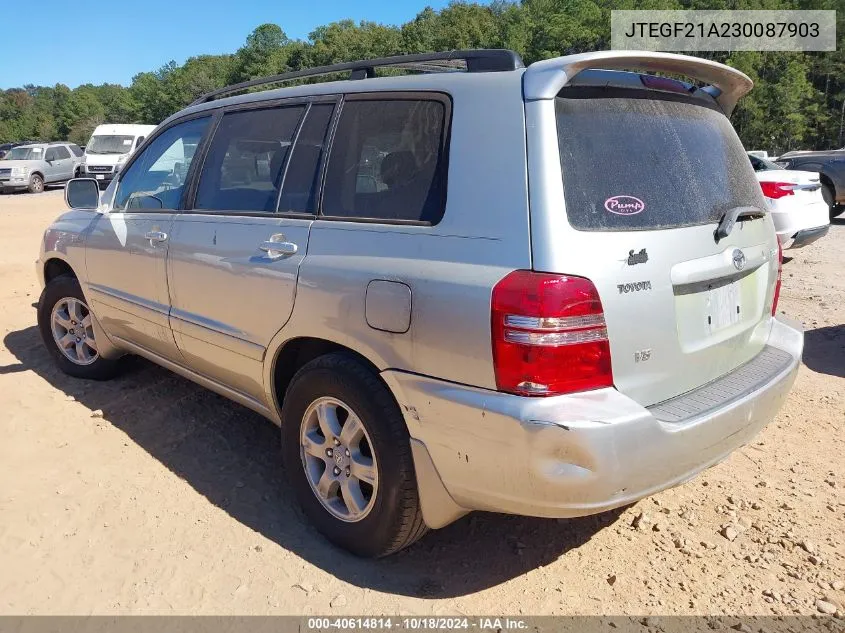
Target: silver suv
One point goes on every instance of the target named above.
(546, 291)
(36, 165)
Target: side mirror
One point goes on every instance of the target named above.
(82, 193)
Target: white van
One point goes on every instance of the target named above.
(110, 145)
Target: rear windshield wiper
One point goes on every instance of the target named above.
(730, 217)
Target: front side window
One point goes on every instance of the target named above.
(387, 161)
(245, 164)
(156, 179)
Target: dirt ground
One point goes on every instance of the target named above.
(174, 500)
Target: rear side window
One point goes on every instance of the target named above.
(300, 181)
(61, 152)
(77, 151)
(639, 162)
(388, 161)
(245, 164)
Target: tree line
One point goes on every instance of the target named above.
(798, 101)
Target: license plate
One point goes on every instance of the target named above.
(99, 177)
(723, 306)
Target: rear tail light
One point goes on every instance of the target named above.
(777, 283)
(775, 190)
(549, 335)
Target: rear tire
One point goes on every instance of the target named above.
(65, 323)
(381, 517)
(36, 184)
(829, 196)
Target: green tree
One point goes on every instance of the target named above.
(798, 100)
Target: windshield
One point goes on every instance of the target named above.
(25, 153)
(643, 161)
(110, 144)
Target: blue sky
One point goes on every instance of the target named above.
(120, 38)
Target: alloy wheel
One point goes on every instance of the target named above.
(71, 324)
(338, 458)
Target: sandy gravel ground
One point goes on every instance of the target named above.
(173, 500)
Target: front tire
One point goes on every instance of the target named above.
(36, 184)
(347, 454)
(66, 325)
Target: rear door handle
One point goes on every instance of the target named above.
(155, 236)
(277, 247)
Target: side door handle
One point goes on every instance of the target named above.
(155, 236)
(278, 246)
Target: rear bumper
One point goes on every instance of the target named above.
(792, 219)
(808, 236)
(584, 453)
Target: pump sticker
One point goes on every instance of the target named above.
(624, 205)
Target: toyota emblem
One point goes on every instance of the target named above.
(738, 259)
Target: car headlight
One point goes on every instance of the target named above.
(20, 172)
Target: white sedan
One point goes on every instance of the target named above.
(800, 214)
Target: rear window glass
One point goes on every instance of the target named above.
(640, 162)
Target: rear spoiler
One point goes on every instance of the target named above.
(544, 79)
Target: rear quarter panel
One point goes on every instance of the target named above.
(450, 268)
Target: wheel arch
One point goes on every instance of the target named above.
(833, 176)
(294, 353)
(55, 266)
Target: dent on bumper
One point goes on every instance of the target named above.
(571, 455)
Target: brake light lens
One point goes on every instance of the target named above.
(775, 190)
(549, 335)
(665, 83)
(777, 283)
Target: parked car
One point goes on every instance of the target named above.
(830, 165)
(519, 315)
(31, 167)
(110, 146)
(799, 211)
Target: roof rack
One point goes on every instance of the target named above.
(476, 60)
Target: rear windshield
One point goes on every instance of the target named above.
(642, 161)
